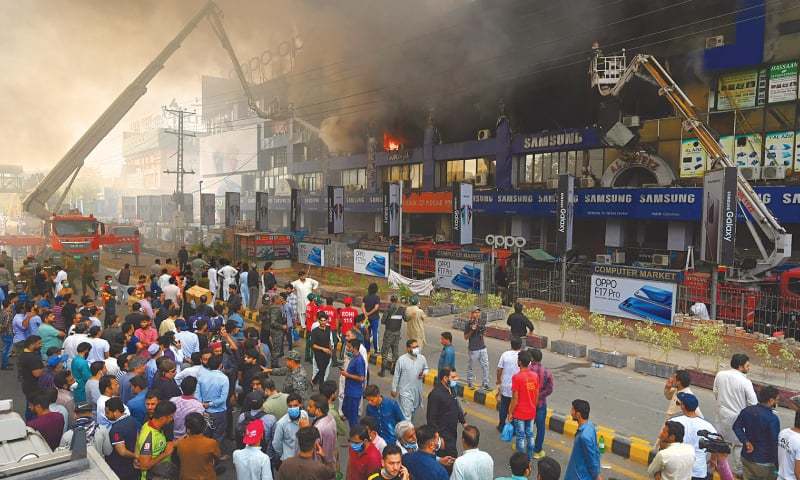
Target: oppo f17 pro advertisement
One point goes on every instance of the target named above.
(371, 262)
(311, 254)
(634, 298)
(460, 275)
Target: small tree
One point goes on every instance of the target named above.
(667, 340)
(439, 297)
(645, 332)
(787, 361)
(534, 314)
(766, 359)
(464, 300)
(600, 326)
(615, 330)
(570, 320)
(707, 342)
(493, 301)
(404, 293)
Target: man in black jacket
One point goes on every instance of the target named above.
(445, 413)
(519, 323)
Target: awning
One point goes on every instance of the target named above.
(539, 255)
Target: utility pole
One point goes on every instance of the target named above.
(179, 171)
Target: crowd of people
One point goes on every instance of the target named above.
(180, 386)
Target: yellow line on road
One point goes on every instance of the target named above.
(563, 448)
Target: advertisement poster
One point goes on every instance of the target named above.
(564, 213)
(634, 293)
(294, 210)
(782, 82)
(693, 158)
(779, 149)
(371, 262)
(233, 209)
(462, 213)
(718, 234)
(262, 212)
(207, 209)
(460, 275)
(737, 90)
(335, 209)
(747, 150)
(311, 254)
(272, 247)
(391, 209)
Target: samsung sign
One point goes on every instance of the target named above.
(568, 139)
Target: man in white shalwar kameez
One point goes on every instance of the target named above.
(213, 283)
(228, 274)
(733, 391)
(61, 277)
(409, 371)
(302, 287)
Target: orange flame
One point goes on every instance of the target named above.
(391, 143)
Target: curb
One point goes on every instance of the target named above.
(634, 449)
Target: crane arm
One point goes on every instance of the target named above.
(610, 75)
(36, 202)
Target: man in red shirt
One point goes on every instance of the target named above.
(525, 397)
(333, 322)
(364, 458)
(347, 319)
(49, 424)
(311, 317)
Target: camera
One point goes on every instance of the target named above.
(713, 442)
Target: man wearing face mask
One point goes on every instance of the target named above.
(445, 413)
(406, 437)
(322, 349)
(285, 440)
(354, 377)
(392, 466)
(407, 382)
(364, 457)
(423, 462)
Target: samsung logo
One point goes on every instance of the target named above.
(552, 140)
(608, 198)
(667, 198)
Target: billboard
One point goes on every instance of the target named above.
(460, 275)
(737, 90)
(462, 213)
(233, 208)
(391, 209)
(335, 209)
(779, 149)
(371, 262)
(564, 213)
(693, 158)
(207, 209)
(262, 212)
(782, 82)
(636, 293)
(294, 210)
(311, 254)
(718, 234)
(747, 151)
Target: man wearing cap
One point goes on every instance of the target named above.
(296, 378)
(692, 424)
(474, 331)
(250, 462)
(190, 342)
(415, 317)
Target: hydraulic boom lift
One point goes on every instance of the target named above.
(78, 235)
(610, 74)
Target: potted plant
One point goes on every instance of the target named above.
(464, 302)
(707, 341)
(440, 305)
(494, 308)
(765, 357)
(536, 316)
(604, 327)
(787, 361)
(569, 320)
(665, 340)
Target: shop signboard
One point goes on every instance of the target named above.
(779, 149)
(635, 293)
(782, 82)
(273, 247)
(311, 254)
(207, 213)
(462, 213)
(233, 209)
(737, 90)
(460, 275)
(371, 262)
(718, 234)
(428, 202)
(335, 209)
(748, 150)
(262, 212)
(693, 158)
(564, 213)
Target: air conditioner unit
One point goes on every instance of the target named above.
(715, 41)
(751, 173)
(552, 183)
(484, 134)
(604, 259)
(587, 182)
(618, 257)
(631, 121)
(774, 172)
(662, 260)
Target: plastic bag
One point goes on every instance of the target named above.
(508, 433)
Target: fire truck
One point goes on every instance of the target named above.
(760, 294)
(78, 235)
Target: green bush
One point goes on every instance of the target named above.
(708, 341)
(463, 300)
(439, 297)
(570, 320)
(494, 301)
(787, 359)
(645, 332)
(534, 314)
(765, 358)
(667, 340)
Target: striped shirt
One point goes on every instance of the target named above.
(184, 406)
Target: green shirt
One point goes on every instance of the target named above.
(50, 338)
(151, 442)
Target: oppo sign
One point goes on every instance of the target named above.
(505, 241)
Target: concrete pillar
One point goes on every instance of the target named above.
(428, 162)
(504, 165)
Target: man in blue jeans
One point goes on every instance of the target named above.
(522, 411)
(546, 385)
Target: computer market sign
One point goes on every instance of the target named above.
(460, 275)
(371, 262)
(635, 293)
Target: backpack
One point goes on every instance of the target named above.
(242, 426)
